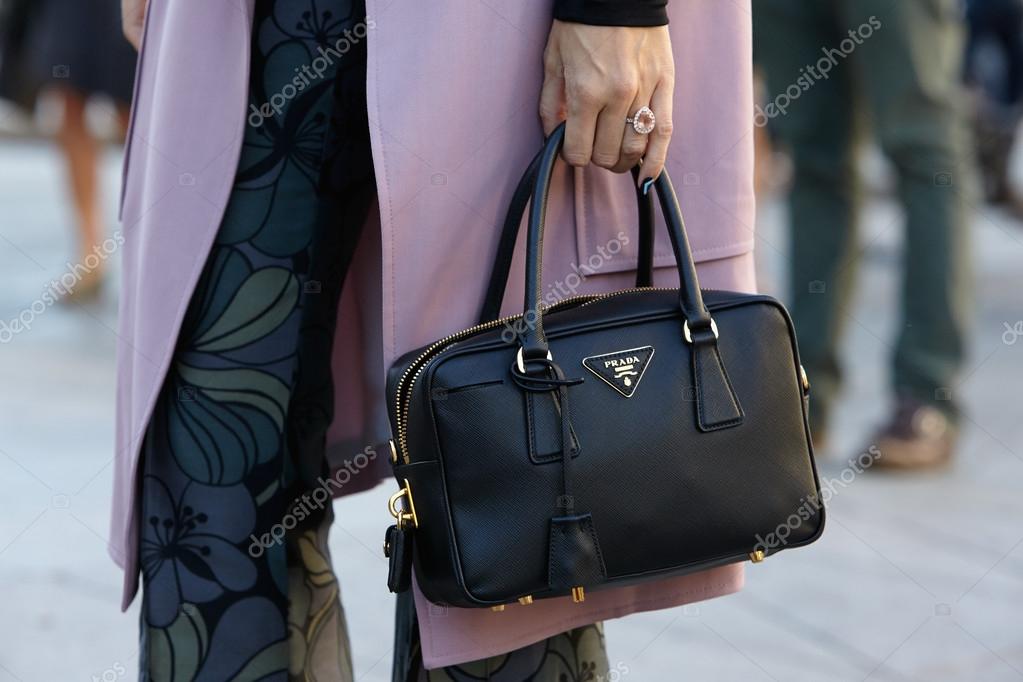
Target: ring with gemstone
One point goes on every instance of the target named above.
(643, 121)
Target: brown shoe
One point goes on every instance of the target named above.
(1012, 202)
(919, 437)
(86, 289)
(819, 438)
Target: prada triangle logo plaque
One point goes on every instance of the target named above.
(621, 370)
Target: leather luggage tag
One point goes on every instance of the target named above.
(398, 550)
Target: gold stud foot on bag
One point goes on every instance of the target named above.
(498, 608)
(578, 595)
(757, 556)
(527, 600)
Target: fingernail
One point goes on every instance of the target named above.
(646, 185)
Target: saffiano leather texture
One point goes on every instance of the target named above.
(687, 458)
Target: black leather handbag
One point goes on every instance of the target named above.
(600, 441)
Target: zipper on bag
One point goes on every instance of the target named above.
(412, 373)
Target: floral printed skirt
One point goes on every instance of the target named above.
(237, 575)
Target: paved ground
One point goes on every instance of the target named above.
(917, 578)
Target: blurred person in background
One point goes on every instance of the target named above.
(994, 70)
(75, 50)
(830, 65)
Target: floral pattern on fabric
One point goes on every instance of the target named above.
(238, 434)
(224, 595)
(189, 551)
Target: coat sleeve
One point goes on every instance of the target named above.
(613, 12)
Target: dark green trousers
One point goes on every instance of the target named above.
(836, 69)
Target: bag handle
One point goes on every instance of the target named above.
(509, 234)
(699, 327)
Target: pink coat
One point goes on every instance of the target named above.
(452, 94)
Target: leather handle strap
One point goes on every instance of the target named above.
(506, 245)
(491, 309)
(534, 344)
(645, 248)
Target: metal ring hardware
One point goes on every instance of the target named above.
(689, 336)
(520, 362)
(407, 512)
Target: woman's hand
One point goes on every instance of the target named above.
(597, 76)
(133, 15)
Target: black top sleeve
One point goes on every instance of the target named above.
(613, 12)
